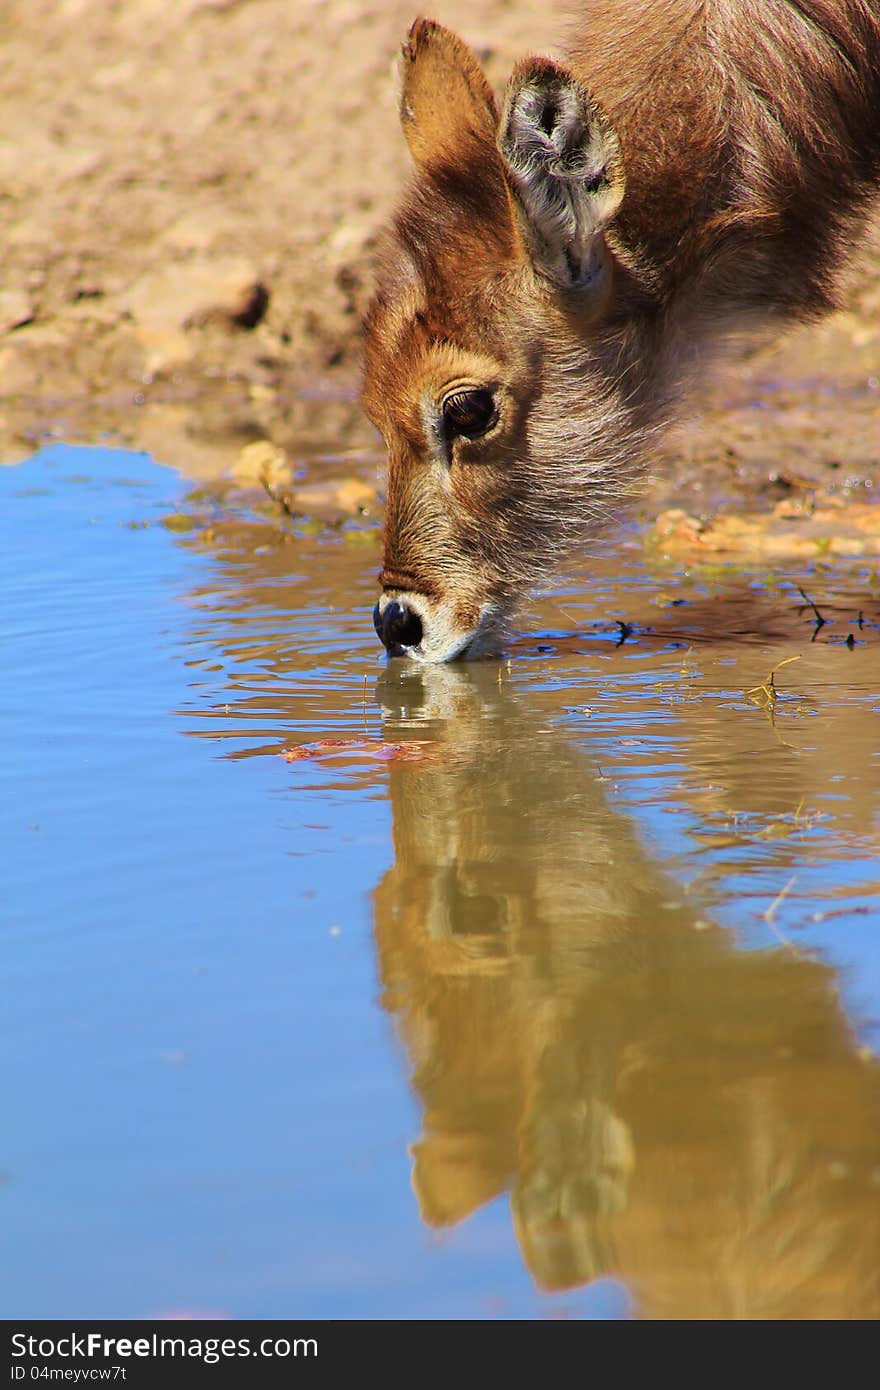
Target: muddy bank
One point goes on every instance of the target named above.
(191, 194)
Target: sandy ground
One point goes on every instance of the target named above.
(190, 192)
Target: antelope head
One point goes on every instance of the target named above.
(495, 345)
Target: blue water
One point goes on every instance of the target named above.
(208, 1097)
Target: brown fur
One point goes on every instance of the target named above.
(750, 133)
(735, 145)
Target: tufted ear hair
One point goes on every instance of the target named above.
(447, 108)
(563, 165)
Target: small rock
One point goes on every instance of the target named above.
(789, 532)
(262, 463)
(350, 495)
(237, 298)
(226, 291)
(261, 394)
(164, 350)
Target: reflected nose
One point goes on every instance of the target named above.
(398, 626)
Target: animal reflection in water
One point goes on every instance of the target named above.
(695, 1119)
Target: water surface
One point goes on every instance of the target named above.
(344, 988)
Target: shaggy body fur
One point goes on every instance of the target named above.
(701, 165)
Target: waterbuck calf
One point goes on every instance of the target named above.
(558, 269)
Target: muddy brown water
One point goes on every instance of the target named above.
(339, 987)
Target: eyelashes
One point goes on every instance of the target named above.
(468, 413)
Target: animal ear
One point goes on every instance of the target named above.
(563, 165)
(446, 102)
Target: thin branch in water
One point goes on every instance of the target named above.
(820, 621)
(765, 695)
(771, 910)
(770, 914)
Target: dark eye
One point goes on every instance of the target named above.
(468, 413)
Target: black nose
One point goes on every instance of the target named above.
(398, 626)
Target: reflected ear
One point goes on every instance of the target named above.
(563, 165)
(454, 1174)
(446, 105)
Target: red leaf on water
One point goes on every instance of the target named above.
(376, 750)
